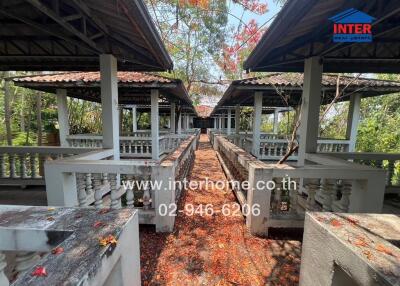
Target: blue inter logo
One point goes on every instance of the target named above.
(352, 26)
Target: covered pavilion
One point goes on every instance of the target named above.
(135, 91)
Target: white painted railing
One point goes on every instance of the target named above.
(386, 161)
(60, 246)
(23, 165)
(131, 146)
(95, 179)
(273, 146)
(329, 184)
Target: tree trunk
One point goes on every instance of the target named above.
(7, 109)
(39, 118)
(22, 112)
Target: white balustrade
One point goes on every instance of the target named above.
(327, 184)
(3, 264)
(104, 183)
(386, 161)
(23, 165)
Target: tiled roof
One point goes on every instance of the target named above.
(94, 77)
(203, 110)
(328, 80)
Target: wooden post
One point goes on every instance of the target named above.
(237, 119)
(155, 148)
(109, 103)
(257, 123)
(229, 122)
(172, 115)
(63, 121)
(353, 119)
(310, 107)
(134, 119)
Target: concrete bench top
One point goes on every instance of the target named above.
(76, 230)
(372, 238)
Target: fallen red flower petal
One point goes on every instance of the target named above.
(57, 250)
(104, 211)
(384, 249)
(335, 223)
(40, 271)
(98, 224)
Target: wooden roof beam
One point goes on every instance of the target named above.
(57, 18)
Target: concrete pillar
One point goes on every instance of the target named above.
(109, 103)
(229, 121)
(180, 124)
(172, 115)
(121, 116)
(353, 119)
(215, 123)
(276, 121)
(310, 107)
(155, 122)
(237, 119)
(187, 122)
(257, 123)
(63, 121)
(134, 119)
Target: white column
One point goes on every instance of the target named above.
(276, 121)
(155, 122)
(187, 121)
(353, 119)
(134, 119)
(219, 122)
(229, 121)
(215, 123)
(310, 107)
(63, 122)
(257, 122)
(109, 103)
(180, 123)
(237, 119)
(172, 120)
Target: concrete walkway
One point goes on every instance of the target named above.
(214, 249)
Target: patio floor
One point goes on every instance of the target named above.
(217, 249)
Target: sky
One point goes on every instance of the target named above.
(237, 10)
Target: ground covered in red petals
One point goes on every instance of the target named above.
(214, 249)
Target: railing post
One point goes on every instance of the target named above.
(164, 196)
(257, 123)
(61, 189)
(155, 143)
(258, 197)
(367, 195)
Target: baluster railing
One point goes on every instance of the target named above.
(2, 166)
(12, 166)
(25, 260)
(115, 199)
(3, 264)
(81, 186)
(130, 198)
(98, 192)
